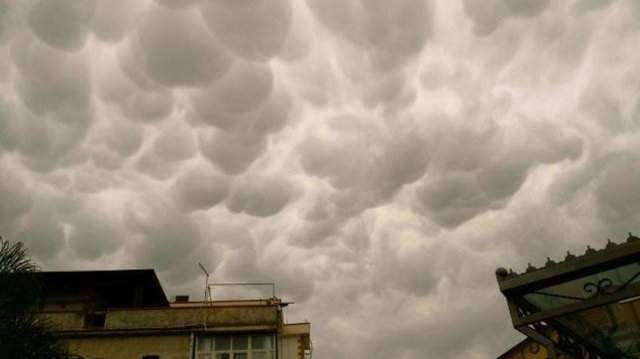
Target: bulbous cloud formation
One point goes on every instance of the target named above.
(377, 160)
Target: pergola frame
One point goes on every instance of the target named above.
(538, 323)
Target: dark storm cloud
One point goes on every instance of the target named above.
(377, 160)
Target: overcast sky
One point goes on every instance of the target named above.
(376, 159)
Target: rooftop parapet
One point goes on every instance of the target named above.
(230, 316)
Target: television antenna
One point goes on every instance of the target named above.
(207, 291)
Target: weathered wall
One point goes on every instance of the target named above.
(132, 347)
(173, 318)
(230, 316)
(65, 320)
(166, 331)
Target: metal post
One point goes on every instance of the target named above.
(530, 332)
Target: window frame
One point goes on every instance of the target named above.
(249, 351)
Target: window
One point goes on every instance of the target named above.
(150, 357)
(259, 346)
(95, 320)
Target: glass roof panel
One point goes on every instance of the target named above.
(584, 288)
(614, 328)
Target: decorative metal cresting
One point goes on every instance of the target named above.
(585, 306)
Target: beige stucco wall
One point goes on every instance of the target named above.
(166, 331)
(230, 316)
(173, 317)
(288, 347)
(132, 347)
(168, 347)
(65, 320)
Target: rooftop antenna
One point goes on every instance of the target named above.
(207, 295)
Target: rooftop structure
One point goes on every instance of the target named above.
(133, 288)
(584, 306)
(125, 314)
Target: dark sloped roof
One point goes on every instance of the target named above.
(129, 288)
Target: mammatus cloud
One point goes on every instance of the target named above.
(174, 48)
(254, 30)
(377, 160)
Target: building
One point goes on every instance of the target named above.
(125, 314)
(584, 306)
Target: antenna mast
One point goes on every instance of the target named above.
(207, 294)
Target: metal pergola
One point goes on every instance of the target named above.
(583, 307)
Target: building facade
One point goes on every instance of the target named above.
(125, 314)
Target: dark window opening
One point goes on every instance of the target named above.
(182, 298)
(95, 320)
(150, 357)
